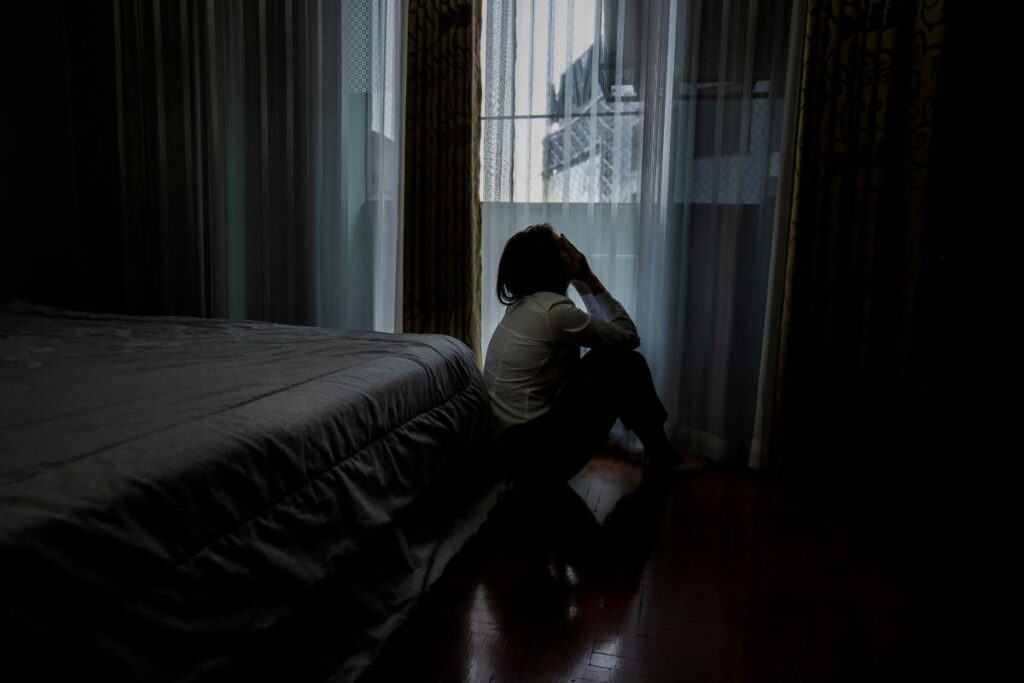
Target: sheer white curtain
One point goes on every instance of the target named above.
(650, 133)
(259, 147)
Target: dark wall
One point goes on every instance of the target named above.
(60, 197)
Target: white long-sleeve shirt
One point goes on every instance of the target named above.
(538, 342)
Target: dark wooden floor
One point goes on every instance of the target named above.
(712, 578)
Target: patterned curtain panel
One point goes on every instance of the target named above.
(441, 287)
(859, 226)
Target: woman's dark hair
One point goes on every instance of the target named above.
(531, 262)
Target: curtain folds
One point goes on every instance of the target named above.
(259, 155)
(651, 134)
(857, 239)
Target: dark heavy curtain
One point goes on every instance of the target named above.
(858, 249)
(896, 394)
(441, 276)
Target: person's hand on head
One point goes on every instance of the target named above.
(578, 270)
(577, 267)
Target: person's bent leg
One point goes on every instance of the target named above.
(623, 380)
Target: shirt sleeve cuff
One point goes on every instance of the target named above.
(593, 305)
(606, 301)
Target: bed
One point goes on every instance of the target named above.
(192, 499)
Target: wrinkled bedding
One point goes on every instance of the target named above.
(183, 498)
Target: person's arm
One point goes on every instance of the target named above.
(607, 323)
(601, 304)
(589, 298)
(570, 325)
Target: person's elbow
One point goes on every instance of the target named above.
(630, 341)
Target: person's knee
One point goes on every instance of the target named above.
(618, 360)
(633, 360)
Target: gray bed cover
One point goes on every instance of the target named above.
(170, 488)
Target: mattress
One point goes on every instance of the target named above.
(174, 491)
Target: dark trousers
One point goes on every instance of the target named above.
(607, 384)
